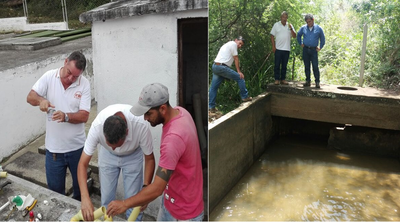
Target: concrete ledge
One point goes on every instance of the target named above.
(59, 208)
(31, 166)
(237, 140)
(24, 43)
(363, 107)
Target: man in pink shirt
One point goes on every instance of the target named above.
(179, 176)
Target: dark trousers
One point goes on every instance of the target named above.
(56, 171)
(281, 61)
(310, 56)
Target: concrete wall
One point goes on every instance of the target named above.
(22, 123)
(236, 141)
(21, 24)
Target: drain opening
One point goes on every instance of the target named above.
(346, 88)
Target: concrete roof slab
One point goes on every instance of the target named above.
(128, 8)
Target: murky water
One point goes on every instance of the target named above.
(299, 180)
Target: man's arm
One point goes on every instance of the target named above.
(145, 196)
(86, 204)
(292, 31)
(273, 43)
(322, 38)
(35, 100)
(236, 58)
(299, 34)
(149, 166)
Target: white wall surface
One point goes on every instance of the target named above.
(20, 24)
(12, 24)
(21, 123)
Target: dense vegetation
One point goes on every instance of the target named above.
(49, 10)
(342, 21)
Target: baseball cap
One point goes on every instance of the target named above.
(152, 95)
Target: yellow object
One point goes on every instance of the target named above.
(97, 214)
(107, 218)
(134, 214)
(3, 174)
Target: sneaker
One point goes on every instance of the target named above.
(307, 84)
(317, 85)
(276, 82)
(212, 110)
(247, 99)
(284, 82)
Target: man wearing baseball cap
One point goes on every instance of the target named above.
(179, 175)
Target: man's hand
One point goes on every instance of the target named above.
(44, 105)
(318, 49)
(116, 207)
(273, 48)
(58, 116)
(87, 210)
(241, 75)
(302, 45)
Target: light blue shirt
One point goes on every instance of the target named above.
(311, 38)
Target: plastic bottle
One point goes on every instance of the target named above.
(31, 216)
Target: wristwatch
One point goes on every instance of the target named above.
(66, 119)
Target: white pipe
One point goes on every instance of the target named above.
(4, 206)
(97, 214)
(134, 214)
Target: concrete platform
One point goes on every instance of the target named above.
(367, 107)
(28, 43)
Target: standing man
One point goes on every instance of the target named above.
(226, 55)
(179, 176)
(123, 139)
(64, 94)
(280, 38)
(312, 35)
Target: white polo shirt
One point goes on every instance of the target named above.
(139, 135)
(282, 35)
(226, 53)
(64, 137)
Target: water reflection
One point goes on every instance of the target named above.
(296, 180)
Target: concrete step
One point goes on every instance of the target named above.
(31, 166)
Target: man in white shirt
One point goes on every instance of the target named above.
(280, 37)
(221, 71)
(124, 139)
(64, 94)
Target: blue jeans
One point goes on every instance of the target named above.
(281, 58)
(164, 215)
(311, 56)
(110, 167)
(56, 170)
(220, 73)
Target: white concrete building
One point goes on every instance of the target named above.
(139, 42)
